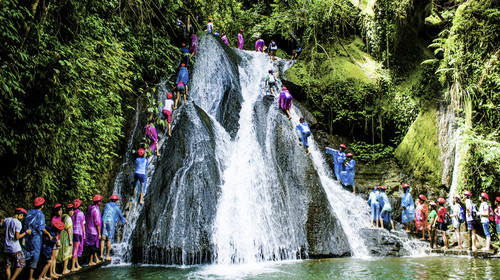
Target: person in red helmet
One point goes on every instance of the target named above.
(348, 172)
(56, 217)
(110, 216)
(14, 256)
(485, 213)
(385, 204)
(421, 215)
(470, 209)
(338, 159)
(184, 54)
(441, 224)
(35, 221)
(285, 101)
(497, 215)
(141, 169)
(78, 220)
(241, 42)
(66, 240)
(168, 109)
(408, 213)
(93, 229)
(48, 246)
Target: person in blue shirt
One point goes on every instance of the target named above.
(348, 172)
(304, 133)
(408, 214)
(141, 169)
(185, 54)
(48, 245)
(181, 83)
(374, 204)
(338, 159)
(386, 207)
(110, 216)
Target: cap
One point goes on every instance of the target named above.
(241, 30)
(457, 197)
(77, 203)
(404, 186)
(432, 203)
(467, 193)
(22, 210)
(422, 197)
(485, 196)
(114, 197)
(343, 146)
(38, 201)
(441, 200)
(183, 65)
(141, 151)
(283, 88)
(70, 206)
(57, 205)
(498, 198)
(376, 187)
(383, 187)
(97, 197)
(169, 95)
(349, 155)
(59, 225)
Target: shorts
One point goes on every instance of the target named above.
(181, 88)
(271, 85)
(470, 225)
(498, 228)
(486, 229)
(140, 179)
(16, 258)
(456, 224)
(442, 226)
(108, 230)
(272, 52)
(167, 115)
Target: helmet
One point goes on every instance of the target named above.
(441, 200)
(343, 146)
(498, 198)
(376, 187)
(283, 88)
(141, 151)
(301, 119)
(349, 155)
(169, 95)
(57, 205)
(22, 210)
(183, 65)
(432, 203)
(97, 197)
(70, 206)
(209, 19)
(241, 30)
(39, 201)
(404, 186)
(457, 197)
(270, 71)
(485, 196)
(59, 225)
(467, 193)
(77, 203)
(183, 44)
(422, 197)
(114, 197)
(383, 187)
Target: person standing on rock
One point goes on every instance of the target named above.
(442, 226)
(273, 48)
(78, 219)
(93, 228)
(285, 101)
(348, 172)
(338, 159)
(110, 216)
(456, 212)
(421, 214)
(386, 209)
(304, 133)
(241, 42)
(484, 212)
(432, 225)
(374, 204)
(497, 215)
(408, 214)
(210, 26)
(470, 220)
(66, 239)
(259, 45)
(14, 256)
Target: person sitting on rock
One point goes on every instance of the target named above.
(338, 159)
(374, 204)
(408, 213)
(348, 172)
(285, 101)
(387, 209)
(304, 133)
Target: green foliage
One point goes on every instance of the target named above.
(371, 154)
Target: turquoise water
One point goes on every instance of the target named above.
(344, 268)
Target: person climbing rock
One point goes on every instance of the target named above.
(285, 101)
(241, 42)
(149, 132)
(421, 213)
(223, 37)
(110, 216)
(470, 209)
(181, 26)
(271, 81)
(14, 256)
(34, 221)
(348, 172)
(259, 45)
(273, 48)
(93, 229)
(485, 212)
(193, 46)
(181, 84)
(141, 169)
(408, 213)
(386, 208)
(210, 26)
(374, 204)
(168, 108)
(78, 219)
(442, 226)
(184, 54)
(304, 133)
(66, 239)
(338, 159)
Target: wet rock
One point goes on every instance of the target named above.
(381, 243)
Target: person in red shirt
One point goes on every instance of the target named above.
(442, 226)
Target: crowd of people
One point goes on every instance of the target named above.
(433, 217)
(30, 240)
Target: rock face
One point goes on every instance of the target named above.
(381, 244)
(214, 82)
(175, 224)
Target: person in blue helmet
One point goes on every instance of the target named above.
(386, 207)
(304, 133)
(34, 221)
(348, 172)
(110, 216)
(141, 169)
(338, 159)
(374, 204)
(408, 214)
(181, 84)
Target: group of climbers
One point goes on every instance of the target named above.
(28, 239)
(381, 209)
(343, 166)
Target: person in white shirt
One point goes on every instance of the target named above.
(455, 218)
(168, 108)
(484, 213)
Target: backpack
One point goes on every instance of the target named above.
(272, 79)
(490, 214)
(461, 215)
(447, 219)
(474, 212)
